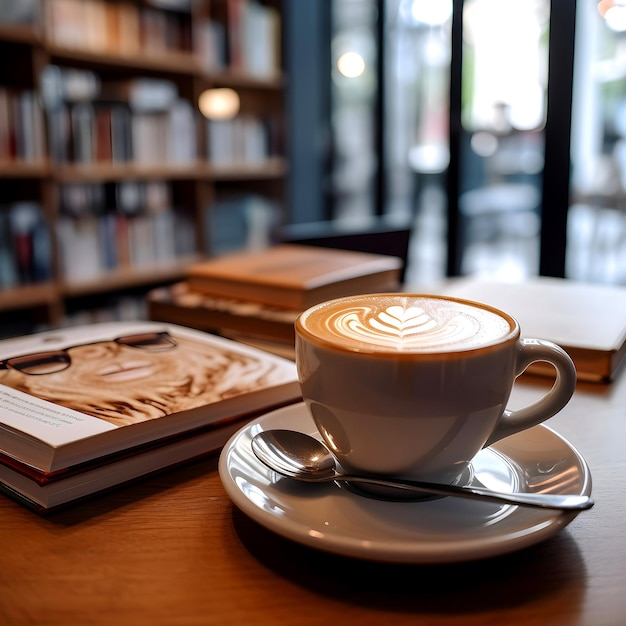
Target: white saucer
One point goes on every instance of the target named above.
(331, 518)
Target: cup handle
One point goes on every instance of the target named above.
(531, 351)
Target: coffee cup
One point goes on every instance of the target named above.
(414, 386)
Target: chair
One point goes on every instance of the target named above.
(375, 238)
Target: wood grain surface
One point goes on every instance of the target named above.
(173, 549)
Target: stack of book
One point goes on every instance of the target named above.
(88, 408)
(255, 296)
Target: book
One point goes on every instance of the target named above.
(89, 407)
(587, 320)
(46, 492)
(292, 276)
(178, 304)
(274, 346)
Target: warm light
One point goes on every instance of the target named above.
(219, 104)
(351, 64)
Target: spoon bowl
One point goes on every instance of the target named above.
(299, 456)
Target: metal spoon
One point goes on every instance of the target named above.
(302, 457)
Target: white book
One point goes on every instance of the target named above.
(261, 40)
(79, 246)
(181, 140)
(141, 241)
(89, 407)
(221, 141)
(149, 136)
(587, 320)
(164, 243)
(256, 146)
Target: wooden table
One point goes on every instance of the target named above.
(174, 550)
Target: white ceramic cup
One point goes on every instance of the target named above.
(414, 386)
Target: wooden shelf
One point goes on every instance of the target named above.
(103, 172)
(185, 192)
(183, 63)
(272, 168)
(160, 63)
(242, 80)
(128, 277)
(16, 298)
(21, 34)
(24, 169)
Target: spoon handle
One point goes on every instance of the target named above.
(542, 500)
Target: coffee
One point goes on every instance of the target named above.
(415, 385)
(407, 323)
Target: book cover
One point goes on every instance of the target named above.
(587, 320)
(44, 492)
(294, 276)
(76, 395)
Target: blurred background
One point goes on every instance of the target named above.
(471, 137)
(494, 127)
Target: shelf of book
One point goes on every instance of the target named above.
(17, 298)
(273, 167)
(24, 169)
(162, 63)
(172, 63)
(21, 33)
(75, 69)
(126, 277)
(104, 172)
(244, 80)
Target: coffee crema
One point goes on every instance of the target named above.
(406, 323)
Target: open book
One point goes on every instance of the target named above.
(85, 408)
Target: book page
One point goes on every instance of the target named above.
(67, 385)
(46, 421)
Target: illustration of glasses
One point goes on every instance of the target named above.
(53, 361)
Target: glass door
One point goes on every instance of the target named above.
(503, 115)
(416, 145)
(596, 234)
(354, 105)
(460, 116)
(499, 140)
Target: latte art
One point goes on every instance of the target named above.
(405, 323)
(401, 328)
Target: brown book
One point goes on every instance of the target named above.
(103, 147)
(178, 304)
(587, 320)
(294, 276)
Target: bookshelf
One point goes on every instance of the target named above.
(114, 180)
